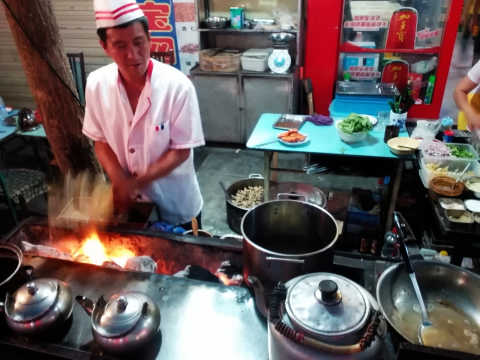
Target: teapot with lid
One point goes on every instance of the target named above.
(324, 316)
(38, 305)
(127, 321)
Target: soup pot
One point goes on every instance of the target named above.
(283, 239)
(443, 286)
(126, 322)
(39, 305)
(335, 317)
(285, 190)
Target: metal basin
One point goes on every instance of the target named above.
(440, 283)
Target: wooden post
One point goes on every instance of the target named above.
(40, 48)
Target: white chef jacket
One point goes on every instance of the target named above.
(167, 117)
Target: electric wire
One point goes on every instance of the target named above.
(34, 46)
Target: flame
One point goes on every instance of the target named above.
(93, 251)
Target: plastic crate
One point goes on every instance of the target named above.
(343, 105)
(447, 167)
(255, 59)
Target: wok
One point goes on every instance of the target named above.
(440, 283)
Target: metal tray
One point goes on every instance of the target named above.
(289, 121)
(366, 88)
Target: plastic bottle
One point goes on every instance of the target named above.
(429, 91)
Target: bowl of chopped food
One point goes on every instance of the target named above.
(473, 184)
(354, 128)
(446, 186)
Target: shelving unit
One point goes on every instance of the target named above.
(337, 35)
(232, 102)
(433, 18)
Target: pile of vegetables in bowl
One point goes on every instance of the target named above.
(354, 128)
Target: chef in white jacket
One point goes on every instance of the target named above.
(143, 117)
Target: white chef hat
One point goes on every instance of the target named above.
(110, 13)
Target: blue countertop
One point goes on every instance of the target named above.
(322, 140)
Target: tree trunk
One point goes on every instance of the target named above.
(40, 48)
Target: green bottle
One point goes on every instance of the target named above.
(429, 92)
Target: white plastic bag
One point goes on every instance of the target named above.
(426, 129)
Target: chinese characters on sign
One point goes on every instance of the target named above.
(366, 23)
(161, 21)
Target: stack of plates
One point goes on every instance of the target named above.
(403, 145)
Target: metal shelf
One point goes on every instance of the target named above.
(231, 30)
(197, 71)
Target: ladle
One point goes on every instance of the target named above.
(459, 177)
(426, 323)
(195, 227)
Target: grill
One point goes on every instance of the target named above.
(200, 319)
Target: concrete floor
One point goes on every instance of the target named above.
(230, 164)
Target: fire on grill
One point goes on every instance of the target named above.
(93, 251)
(81, 211)
(161, 253)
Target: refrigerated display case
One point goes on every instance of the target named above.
(378, 41)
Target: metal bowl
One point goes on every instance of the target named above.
(216, 22)
(438, 282)
(281, 38)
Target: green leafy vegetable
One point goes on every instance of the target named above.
(460, 151)
(354, 123)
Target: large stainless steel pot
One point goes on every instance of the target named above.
(337, 319)
(441, 285)
(283, 239)
(289, 190)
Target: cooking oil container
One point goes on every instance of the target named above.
(237, 17)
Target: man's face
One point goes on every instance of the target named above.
(129, 47)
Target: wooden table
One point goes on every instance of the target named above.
(324, 140)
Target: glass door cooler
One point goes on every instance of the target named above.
(379, 42)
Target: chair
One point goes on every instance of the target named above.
(77, 65)
(167, 57)
(19, 186)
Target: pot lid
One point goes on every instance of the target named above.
(33, 300)
(122, 313)
(326, 305)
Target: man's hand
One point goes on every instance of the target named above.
(124, 191)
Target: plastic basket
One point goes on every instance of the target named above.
(342, 105)
(255, 59)
(217, 60)
(451, 158)
(446, 167)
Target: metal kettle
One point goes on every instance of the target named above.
(324, 316)
(39, 305)
(126, 322)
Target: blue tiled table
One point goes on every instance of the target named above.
(323, 140)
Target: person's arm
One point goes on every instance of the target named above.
(123, 184)
(460, 95)
(163, 166)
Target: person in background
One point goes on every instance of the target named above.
(144, 119)
(469, 104)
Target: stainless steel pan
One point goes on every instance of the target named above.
(439, 282)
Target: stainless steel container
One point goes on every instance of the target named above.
(283, 239)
